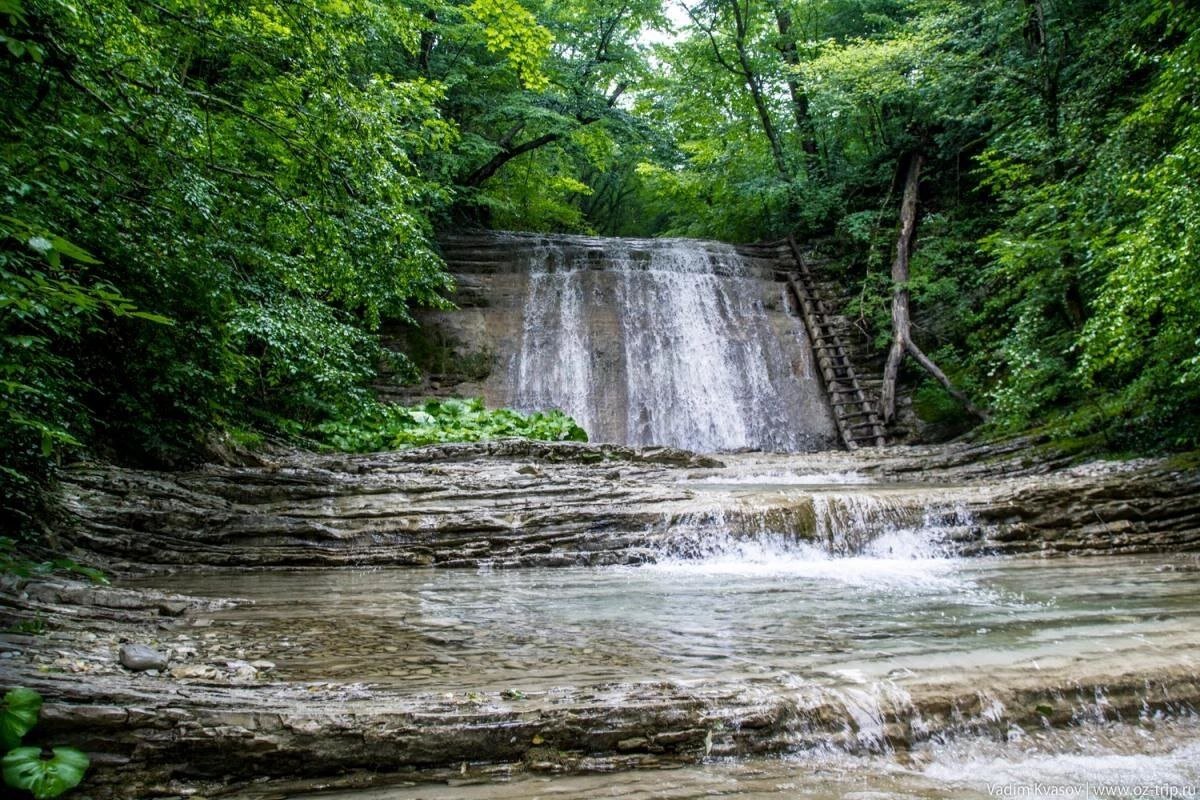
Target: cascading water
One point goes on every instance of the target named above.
(665, 342)
(789, 520)
(554, 369)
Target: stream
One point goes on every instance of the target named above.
(864, 627)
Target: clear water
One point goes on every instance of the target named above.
(766, 616)
(761, 612)
(1084, 763)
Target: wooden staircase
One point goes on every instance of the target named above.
(854, 411)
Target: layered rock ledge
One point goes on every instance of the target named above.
(153, 735)
(512, 504)
(221, 721)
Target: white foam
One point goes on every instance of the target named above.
(785, 479)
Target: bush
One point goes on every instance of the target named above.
(389, 427)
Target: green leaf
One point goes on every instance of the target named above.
(24, 768)
(73, 251)
(19, 715)
(146, 315)
(12, 8)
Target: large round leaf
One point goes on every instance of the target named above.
(24, 768)
(18, 716)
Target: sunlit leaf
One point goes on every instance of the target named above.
(18, 715)
(25, 768)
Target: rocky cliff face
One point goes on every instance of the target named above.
(677, 342)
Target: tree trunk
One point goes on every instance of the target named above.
(800, 110)
(902, 342)
(744, 70)
(741, 22)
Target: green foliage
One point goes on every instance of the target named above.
(13, 563)
(207, 212)
(44, 309)
(1099, 254)
(191, 198)
(1055, 267)
(29, 627)
(935, 406)
(308, 362)
(389, 427)
(26, 768)
(18, 716)
(513, 32)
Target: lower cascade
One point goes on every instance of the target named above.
(647, 342)
(516, 619)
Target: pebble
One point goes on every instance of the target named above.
(139, 658)
(202, 671)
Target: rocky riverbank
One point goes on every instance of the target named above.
(220, 715)
(539, 504)
(215, 722)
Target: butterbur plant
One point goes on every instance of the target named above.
(31, 768)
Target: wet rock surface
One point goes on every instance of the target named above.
(466, 505)
(231, 707)
(206, 733)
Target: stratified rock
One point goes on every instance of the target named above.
(139, 658)
(591, 505)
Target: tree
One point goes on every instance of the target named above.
(902, 341)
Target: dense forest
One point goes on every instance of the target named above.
(208, 209)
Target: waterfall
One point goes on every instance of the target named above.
(822, 530)
(664, 342)
(555, 365)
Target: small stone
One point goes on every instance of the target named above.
(240, 671)
(139, 658)
(195, 672)
(173, 608)
(263, 664)
(636, 743)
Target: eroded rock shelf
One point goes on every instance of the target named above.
(307, 672)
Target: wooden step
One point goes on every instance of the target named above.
(847, 399)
